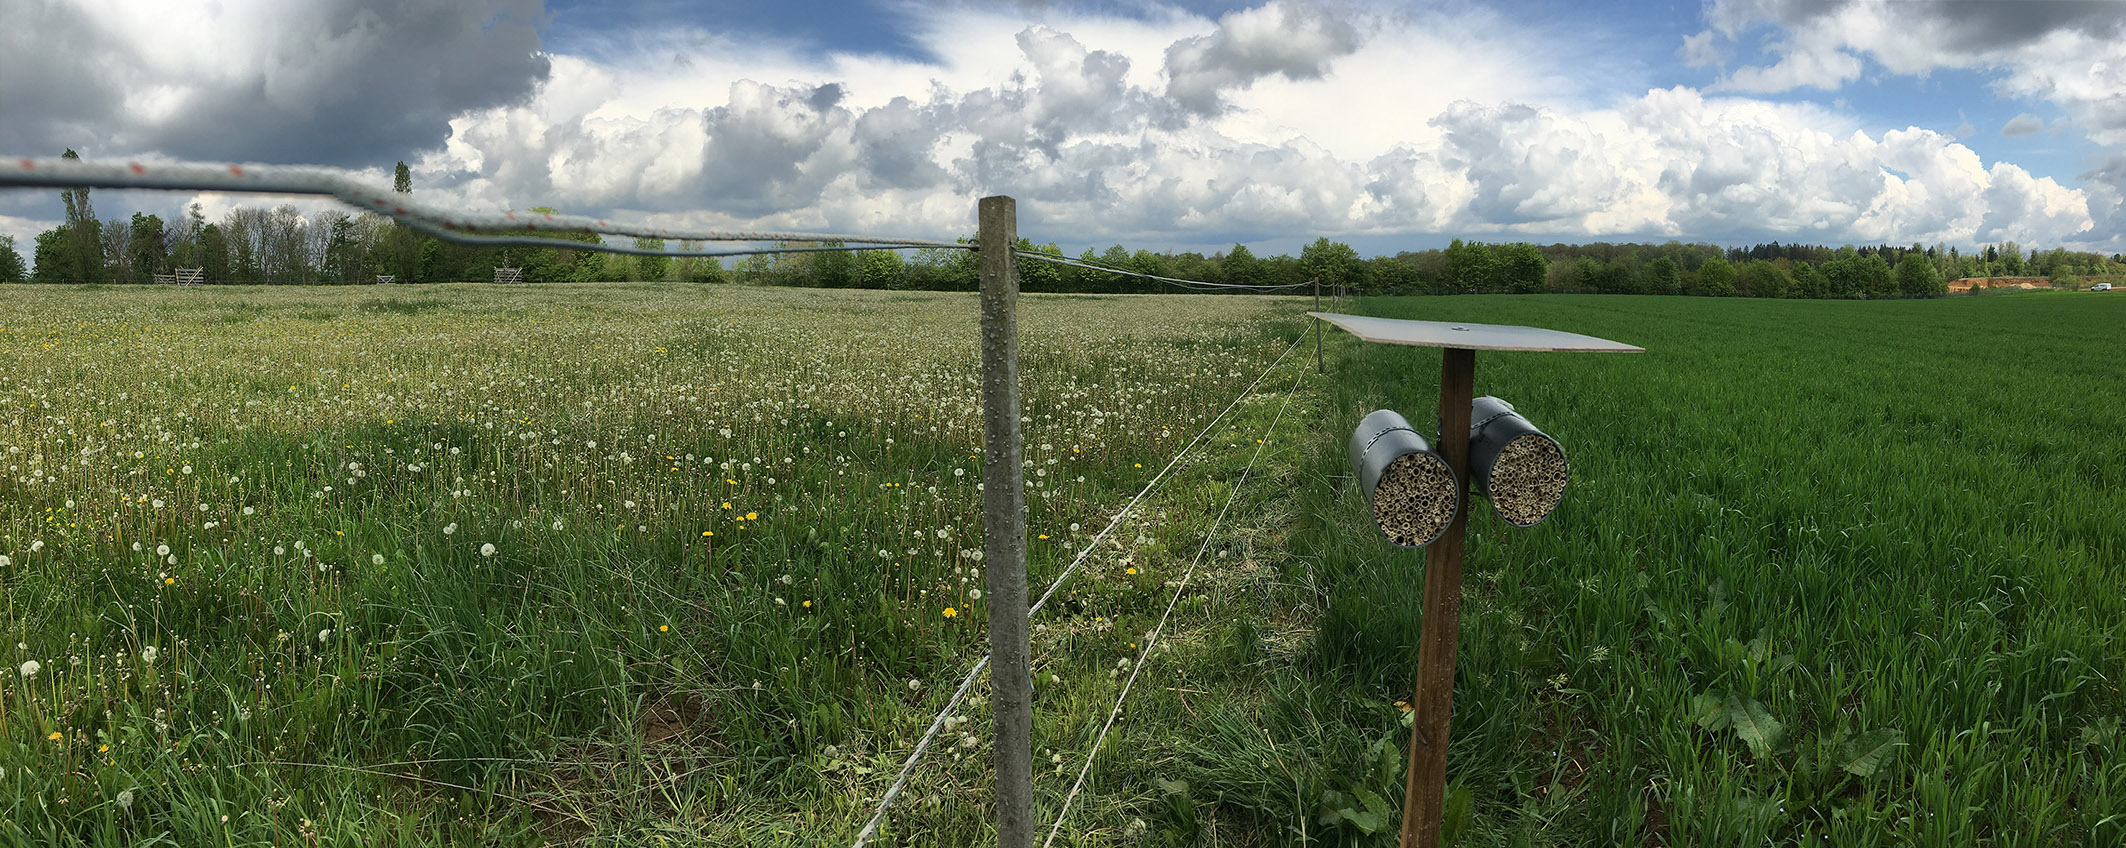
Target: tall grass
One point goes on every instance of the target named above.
(535, 564)
(1840, 573)
(1828, 573)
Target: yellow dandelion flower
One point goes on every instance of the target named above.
(56, 736)
(808, 605)
(168, 580)
(707, 533)
(752, 515)
(664, 628)
(1131, 571)
(951, 613)
(1044, 535)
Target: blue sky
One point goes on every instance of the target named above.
(1190, 125)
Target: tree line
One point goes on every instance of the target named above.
(277, 245)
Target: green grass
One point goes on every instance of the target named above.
(1828, 573)
(555, 564)
(1837, 573)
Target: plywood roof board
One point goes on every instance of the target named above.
(1463, 334)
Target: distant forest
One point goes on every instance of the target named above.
(277, 246)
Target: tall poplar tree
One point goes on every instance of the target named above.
(82, 249)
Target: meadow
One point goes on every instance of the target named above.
(680, 564)
(446, 564)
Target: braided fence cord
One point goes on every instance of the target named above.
(454, 225)
(1110, 269)
(1151, 639)
(937, 724)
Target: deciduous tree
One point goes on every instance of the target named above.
(1662, 277)
(11, 267)
(150, 246)
(1333, 263)
(651, 268)
(1917, 277)
(1715, 278)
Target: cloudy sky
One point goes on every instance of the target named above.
(1185, 125)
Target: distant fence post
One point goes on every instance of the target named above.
(1004, 520)
(1317, 326)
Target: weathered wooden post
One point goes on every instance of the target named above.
(1424, 790)
(1004, 520)
(1317, 326)
(1424, 793)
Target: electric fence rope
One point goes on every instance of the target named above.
(1194, 284)
(937, 724)
(453, 225)
(1151, 639)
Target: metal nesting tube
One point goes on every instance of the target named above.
(1412, 490)
(1520, 469)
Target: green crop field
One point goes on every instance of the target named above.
(674, 564)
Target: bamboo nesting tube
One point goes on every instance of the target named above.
(1411, 489)
(1520, 469)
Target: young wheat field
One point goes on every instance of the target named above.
(676, 564)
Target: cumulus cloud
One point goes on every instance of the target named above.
(2023, 124)
(1285, 38)
(340, 82)
(1095, 149)
(25, 231)
(1699, 51)
(2070, 53)
(1675, 162)
(1180, 130)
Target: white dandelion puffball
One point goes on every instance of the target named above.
(324, 634)
(162, 550)
(487, 549)
(376, 559)
(450, 528)
(37, 546)
(5, 561)
(148, 655)
(31, 667)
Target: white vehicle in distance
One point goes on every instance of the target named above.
(2101, 287)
